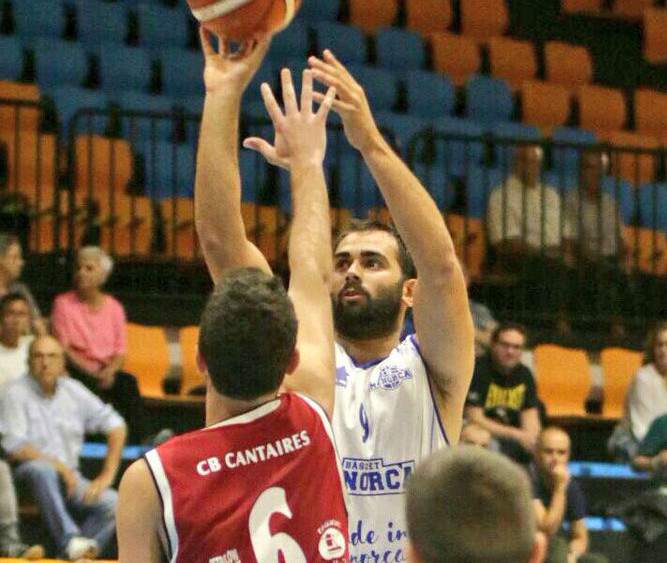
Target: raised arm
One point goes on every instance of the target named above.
(218, 182)
(300, 146)
(441, 313)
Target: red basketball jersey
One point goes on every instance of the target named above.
(262, 487)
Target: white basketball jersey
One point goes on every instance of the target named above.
(385, 421)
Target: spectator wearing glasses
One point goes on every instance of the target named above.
(503, 396)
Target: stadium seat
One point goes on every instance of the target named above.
(488, 99)
(618, 366)
(39, 18)
(124, 68)
(428, 16)
(631, 10)
(178, 223)
(59, 63)
(565, 159)
(655, 35)
(11, 62)
(651, 113)
(636, 167)
(72, 102)
(347, 42)
(513, 60)
(147, 357)
(503, 136)
(458, 144)
(399, 49)
(170, 170)
(143, 128)
(380, 86)
(479, 183)
(371, 14)
(469, 242)
(483, 19)
(160, 26)
(544, 104)
(429, 94)
(89, 14)
(266, 228)
(188, 337)
(569, 65)
(322, 10)
(101, 166)
(601, 108)
(15, 116)
(574, 6)
(181, 72)
(437, 184)
(403, 129)
(624, 194)
(648, 249)
(357, 190)
(455, 55)
(653, 206)
(266, 73)
(563, 379)
(293, 44)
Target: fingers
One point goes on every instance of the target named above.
(271, 104)
(307, 91)
(289, 95)
(327, 103)
(337, 105)
(267, 150)
(206, 44)
(330, 77)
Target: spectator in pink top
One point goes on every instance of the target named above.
(90, 325)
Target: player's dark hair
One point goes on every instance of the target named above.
(10, 298)
(651, 339)
(504, 327)
(247, 334)
(369, 225)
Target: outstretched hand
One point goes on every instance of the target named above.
(227, 69)
(300, 133)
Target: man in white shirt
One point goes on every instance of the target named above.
(14, 337)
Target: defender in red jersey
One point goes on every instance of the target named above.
(261, 483)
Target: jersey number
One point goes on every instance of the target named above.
(265, 545)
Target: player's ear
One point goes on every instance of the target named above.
(409, 287)
(294, 359)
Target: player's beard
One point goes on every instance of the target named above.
(370, 317)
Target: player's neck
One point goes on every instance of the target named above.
(219, 408)
(363, 351)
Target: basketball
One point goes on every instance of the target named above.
(244, 19)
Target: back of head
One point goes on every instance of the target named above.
(470, 505)
(247, 334)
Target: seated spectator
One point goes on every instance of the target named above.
(503, 395)
(11, 266)
(559, 499)
(91, 327)
(14, 337)
(45, 416)
(652, 452)
(469, 504)
(473, 434)
(646, 398)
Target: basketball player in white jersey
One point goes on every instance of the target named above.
(261, 482)
(395, 402)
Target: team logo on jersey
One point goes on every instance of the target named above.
(231, 556)
(341, 376)
(390, 377)
(332, 541)
(371, 477)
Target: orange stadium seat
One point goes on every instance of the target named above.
(469, 242)
(648, 250)
(569, 65)
(651, 113)
(631, 9)
(178, 222)
(483, 19)
(24, 118)
(454, 55)
(513, 60)
(544, 104)
(188, 337)
(601, 109)
(655, 35)
(573, 6)
(266, 227)
(619, 366)
(147, 357)
(371, 14)
(634, 167)
(563, 379)
(428, 16)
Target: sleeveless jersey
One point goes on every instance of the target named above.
(262, 487)
(385, 421)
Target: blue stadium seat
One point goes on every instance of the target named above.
(459, 144)
(380, 86)
(478, 184)
(403, 129)
(253, 175)
(624, 194)
(144, 129)
(399, 49)
(320, 10)
(488, 99)
(429, 94)
(39, 18)
(503, 136)
(437, 183)
(124, 68)
(181, 72)
(160, 26)
(294, 42)
(98, 21)
(169, 169)
(59, 62)
(347, 42)
(266, 73)
(356, 188)
(70, 100)
(565, 160)
(653, 206)
(11, 61)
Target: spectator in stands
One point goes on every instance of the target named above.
(11, 266)
(473, 434)
(646, 398)
(483, 320)
(594, 242)
(90, 325)
(45, 416)
(469, 504)
(559, 498)
(652, 453)
(503, 395)
(14, 337)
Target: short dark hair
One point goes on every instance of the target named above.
(7, 240)
(504, 327)
(369, 225)
(10, 298)
(651, 339)
(469, 505)
(247, 334)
